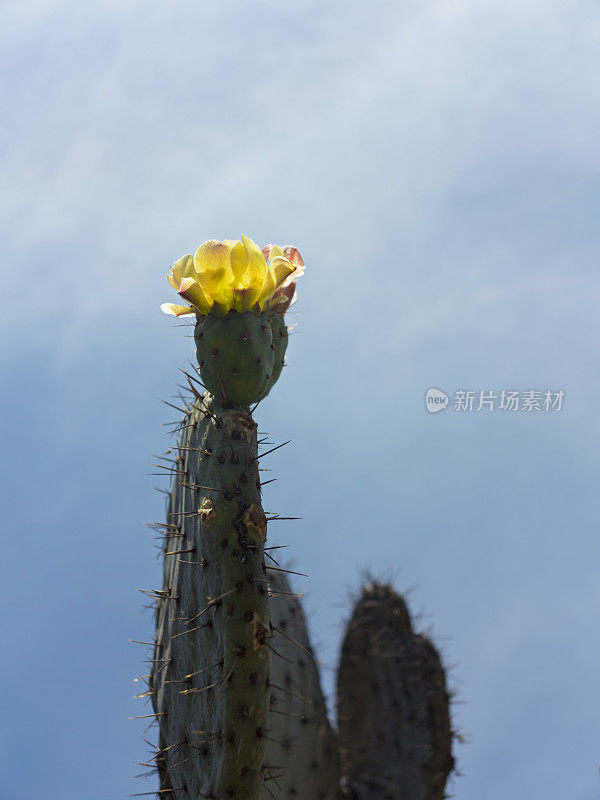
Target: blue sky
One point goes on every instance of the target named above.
(438, 166)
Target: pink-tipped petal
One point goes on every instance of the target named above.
(284, 297)
(293, 255)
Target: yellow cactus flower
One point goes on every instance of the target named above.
(233, 276)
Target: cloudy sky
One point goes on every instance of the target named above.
(438, 165)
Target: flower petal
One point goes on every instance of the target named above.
(239, 261)
(177, 311)
(267, 289)
(214, 272)
(182, 268)
(191, 291)
(281, 269)
(257, 263)
(283, 298)
(293, 255)
(253, 279)
(213, 256)
(273, 250)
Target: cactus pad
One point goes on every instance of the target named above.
(302, 745)
(236, 355)
(393, 717)
(280, 342)
(210, 672)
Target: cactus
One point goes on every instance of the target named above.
(234, 683)
(211, 665)
(302, 745)
(210, 681)
(393, 719)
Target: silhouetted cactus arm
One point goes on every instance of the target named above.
(302, 745)
(393, 706)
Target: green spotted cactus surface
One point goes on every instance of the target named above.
(236, 356)
(241, 355)
(212, 663)
(281, 335)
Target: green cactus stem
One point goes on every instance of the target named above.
(393, 706)
(210, 673)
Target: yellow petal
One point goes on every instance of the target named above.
(249, 285)
(280, 267)
(239, 261)
(217, 285)
(214, 273)
(177, 311)
(182, 268)
(257, 266)
(193, 293)
(267, 289)
(213, 256)
(275, 251)
(279, 272)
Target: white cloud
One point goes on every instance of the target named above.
(138, 131)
